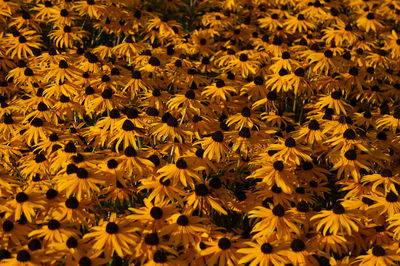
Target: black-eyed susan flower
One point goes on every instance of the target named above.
(338, 220)
(153, 215)
(262, 252)
(185, 229)
(214, 147)
(271, 220)
(112, 236)
(378, 255)
(24, 204)
(180, 171)
(222, 250)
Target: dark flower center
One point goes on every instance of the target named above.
(297, 245)
(391, 197)
(21, 197)
(71, 169)
(307, 166)
(37, 122)
(266, 248)
(128, 125)
(4, 254)
(386, 173)
(22, 39)
(34, 244)
(8, 119)
(334, 12)
(370, 16)
(217, 136)
(353, 71)
(137, 75)
(197, 118)
(328, 54)
(215, 183)
(259, 80)
(53, 224)
(290, 142)
(85, 261)
(201, 190)
(172, 122)
(63, 64)
(350, 155)
(299, 72)
(51, 193)
(378, 251)
(64, 13)
(178, 63)
(219, 83)
(313, 125)
(89, 90)
(107, 94)
(245, 133)
(338, 208)
(72, 242)
(151, 239)
(349, 134)
(82, 173)
(278, 211)
(336, 95)
(154, 61)
(246, 112)
(114, 113)
(42, 107)
(302, 206)
(156, 213)
(276, 189)
(8, 226)
(151, 111)
(190, 94)
(240, 195)
(105, 78)
(224, 243)
(130, 151)
(23, 256)
(70, 147)
(278, 165)
(71, 203)
(112, 164)
(347, 55)
(154, 159)
(165, 183)
(67, 29)
(182, 220)
(381, 136)
(283, 72)
(243, 57)
(160, 256)
(64, 99)
(181, 164)
(112, 228)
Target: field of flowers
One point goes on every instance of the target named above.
(188, 132)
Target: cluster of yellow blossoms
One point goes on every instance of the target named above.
(214, 132)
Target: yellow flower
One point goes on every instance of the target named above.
(114, 235)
